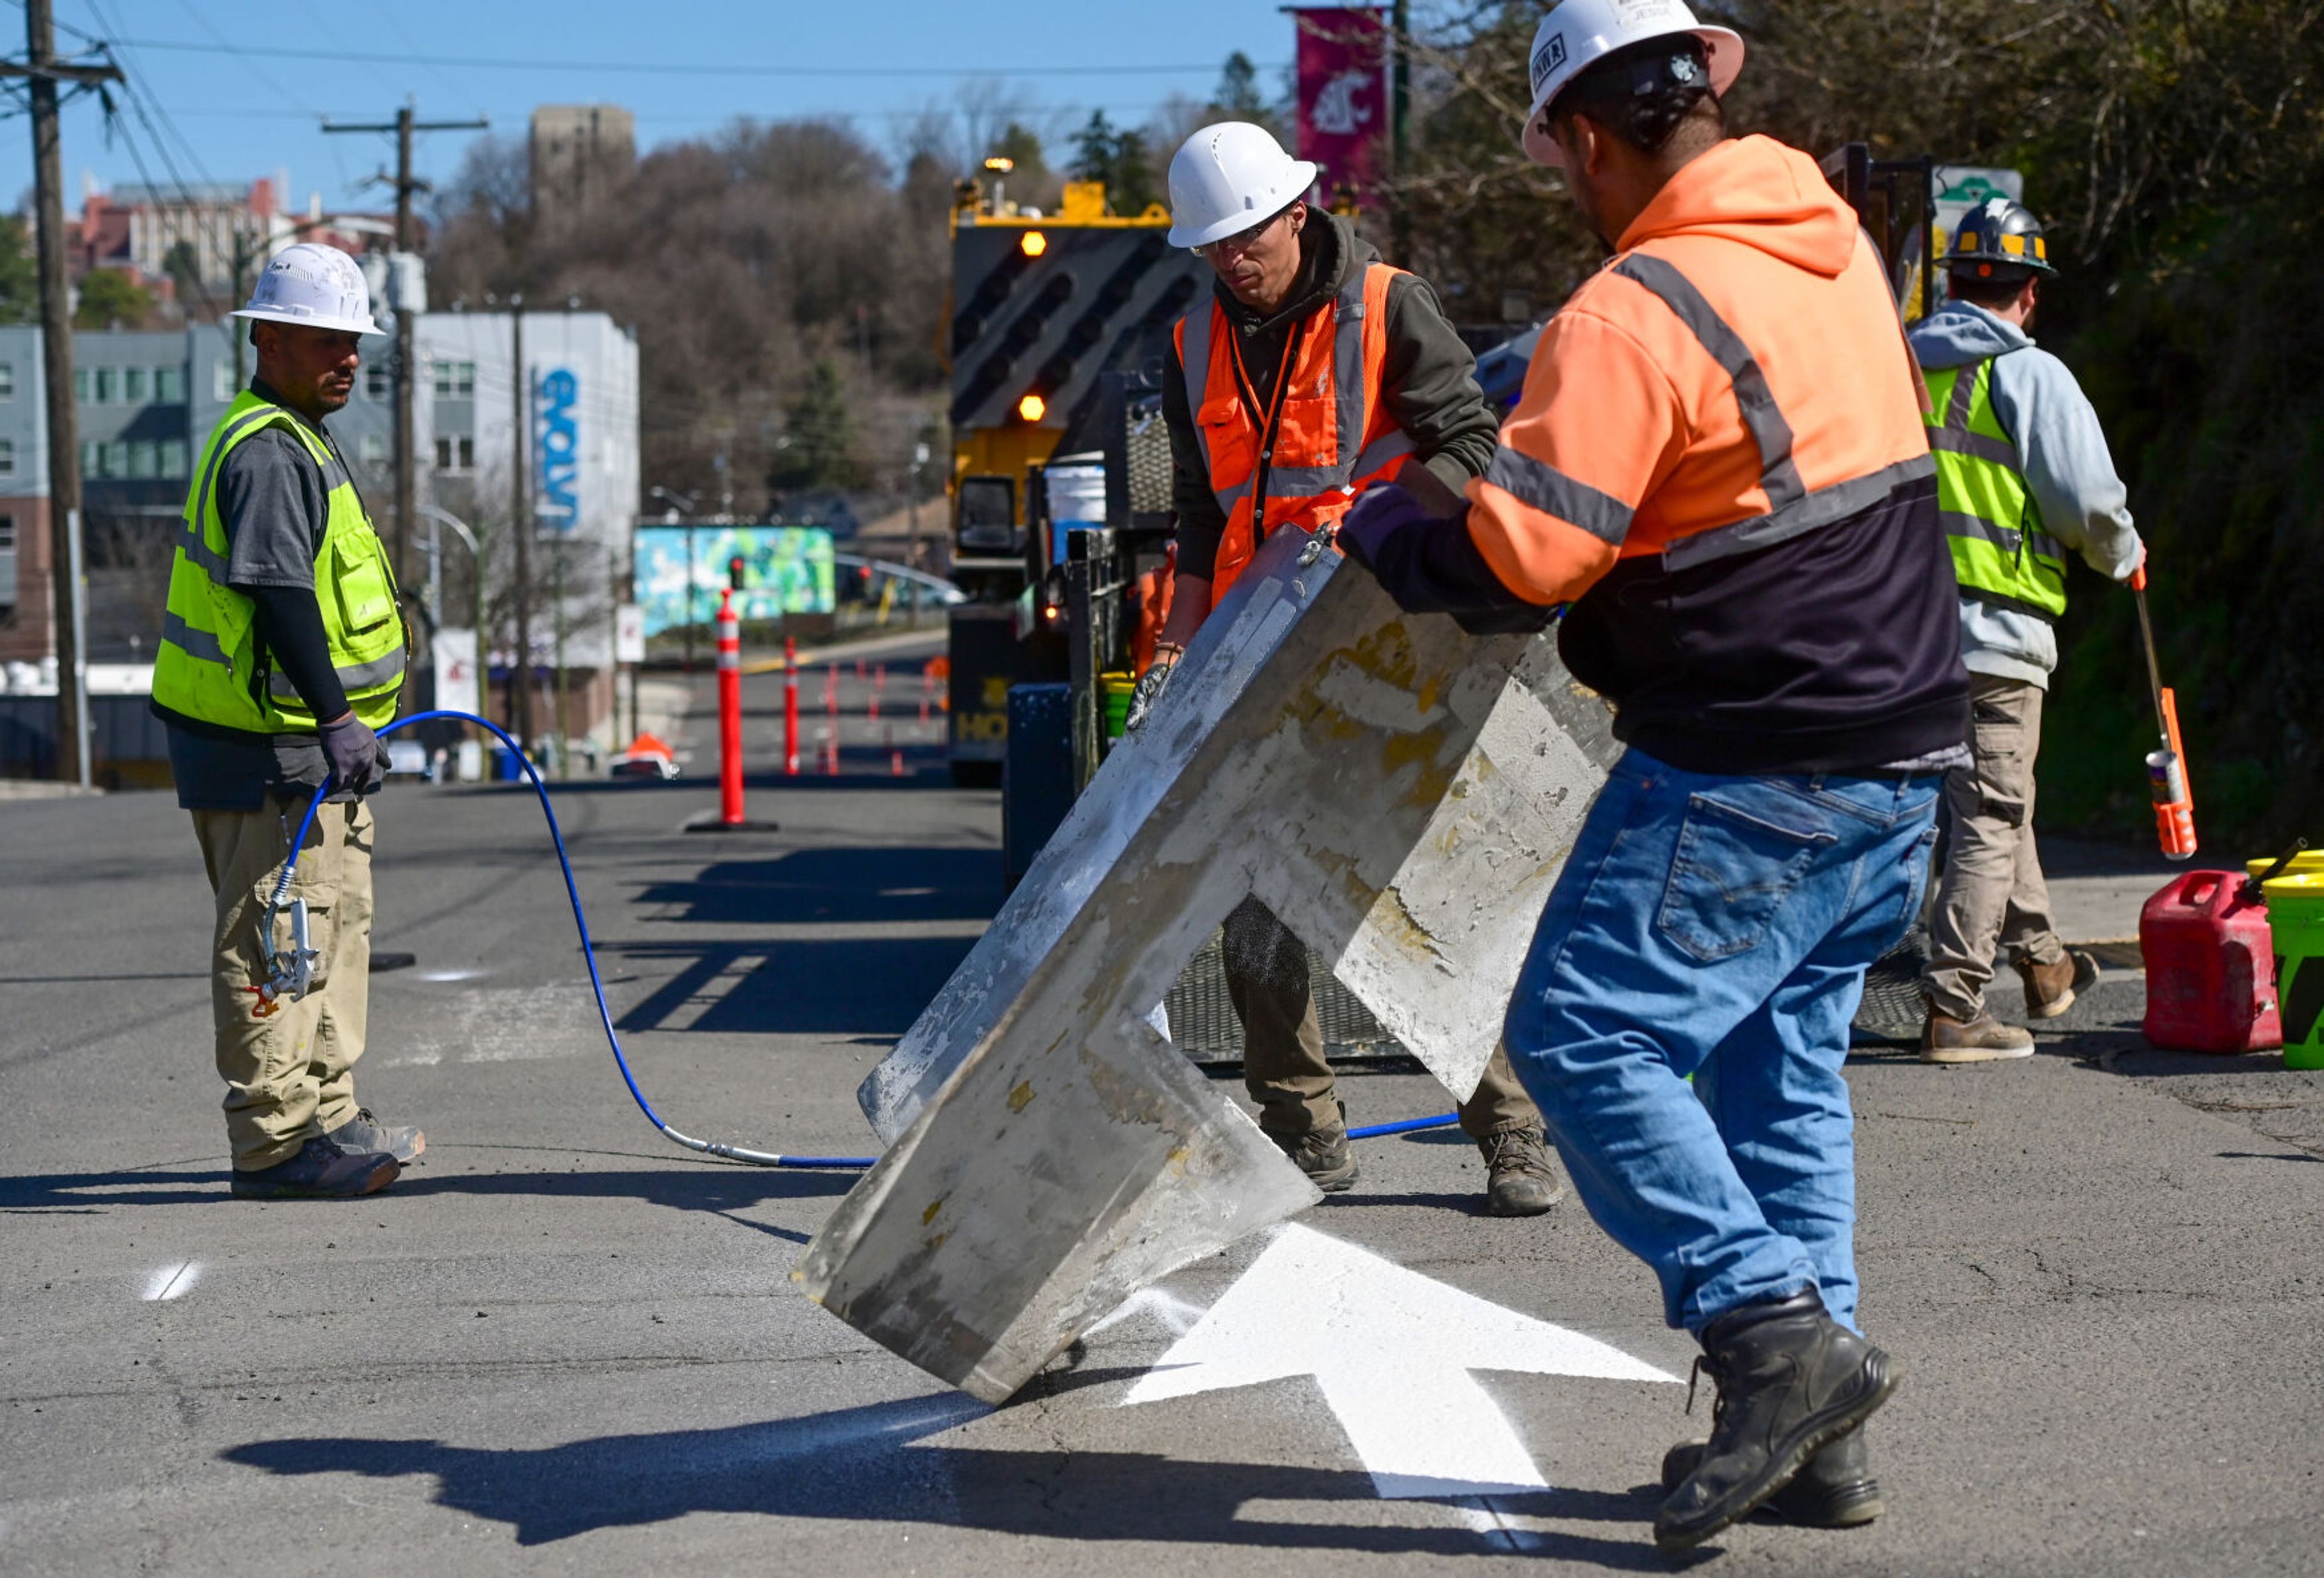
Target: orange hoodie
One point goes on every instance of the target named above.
(1629, 417)
(1718, 459)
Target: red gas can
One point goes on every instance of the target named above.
(2211, 966)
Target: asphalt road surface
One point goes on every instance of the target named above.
(561, 1344)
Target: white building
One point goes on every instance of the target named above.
(579, 429)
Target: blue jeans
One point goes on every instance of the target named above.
(1718, 927)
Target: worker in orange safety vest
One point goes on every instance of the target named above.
(1311, 371)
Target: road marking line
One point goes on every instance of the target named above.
(172, 1281)
(1392, 1352)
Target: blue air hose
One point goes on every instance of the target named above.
(597, 986)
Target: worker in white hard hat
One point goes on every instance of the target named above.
(1310, 371)
(1718, 469)
(283, 649)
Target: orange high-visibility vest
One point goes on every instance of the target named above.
(1332, 436)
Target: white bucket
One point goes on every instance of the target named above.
(1077, 487)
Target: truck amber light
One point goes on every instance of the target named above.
(1032, 408)
(1034, 244)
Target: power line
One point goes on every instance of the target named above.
(284, 94)
(711, 118)
(652, 67)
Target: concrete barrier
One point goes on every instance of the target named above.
(1402, 795)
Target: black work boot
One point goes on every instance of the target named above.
(1790, 1379)
(1835, 1489)
(1520, 1180)
(320, 1171)
(364, 1133)
(1323, 1154)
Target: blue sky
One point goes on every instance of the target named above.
(240, 114)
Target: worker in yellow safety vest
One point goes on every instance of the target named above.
(283, 649)
(1311, 371)
(2023, 478)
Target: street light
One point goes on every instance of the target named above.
(676, 504)
(436, 561)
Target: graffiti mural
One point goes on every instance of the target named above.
(786, 569)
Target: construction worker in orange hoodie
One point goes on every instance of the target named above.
(1718, 469)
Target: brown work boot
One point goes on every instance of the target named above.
(2050, 989)
(1983, 1040)
(1520, 1180)
(1323, 1154)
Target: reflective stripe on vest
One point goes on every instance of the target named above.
(1794, 509)
(1993, 526)
(1306, 485)
(211, 665)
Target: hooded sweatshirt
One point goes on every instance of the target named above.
(1718, 459)
(2068, 469)
(1428, 382)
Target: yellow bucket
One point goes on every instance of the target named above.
(2295, 917)
(2307, 863)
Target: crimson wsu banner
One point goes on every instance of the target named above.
(1343, 111)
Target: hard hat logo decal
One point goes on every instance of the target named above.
(1548, 59)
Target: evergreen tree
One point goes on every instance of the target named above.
(818, 448)
(1119, 158)
(1237, 97)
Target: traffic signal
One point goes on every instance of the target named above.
(734, 572)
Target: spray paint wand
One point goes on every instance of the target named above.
(2166, 769)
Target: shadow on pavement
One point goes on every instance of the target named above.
(858, 1465)
(867, 986)
(875, 885)
(719, 1187)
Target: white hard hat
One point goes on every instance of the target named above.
(315, 285)
(1229, 177)
(1578, 33)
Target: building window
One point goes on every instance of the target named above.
(143, 463)
(376, 386)
(373, 448)
(7, 456)
(132, 385)
(455, 453)
(116, 459)
(80, 385)
(168, 386)
(222, 389)
(8, 534)
(7, 380)
(173, 458)
(455, 381)
(108, 383)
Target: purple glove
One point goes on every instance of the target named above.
(1379, 513)
(1430, 564)
(353, 752)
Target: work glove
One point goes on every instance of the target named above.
(1149, 689)
(355, 754)
(1428, 564)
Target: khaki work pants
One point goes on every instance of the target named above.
(1991, 899)
(290, 1075)
(1283, 1065)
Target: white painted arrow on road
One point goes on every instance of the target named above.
(1392, 1351)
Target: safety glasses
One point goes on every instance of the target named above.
(1241, 241)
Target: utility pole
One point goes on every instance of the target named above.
(44, 72)
(1399, 113)
(521, 513)
(407, 347)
